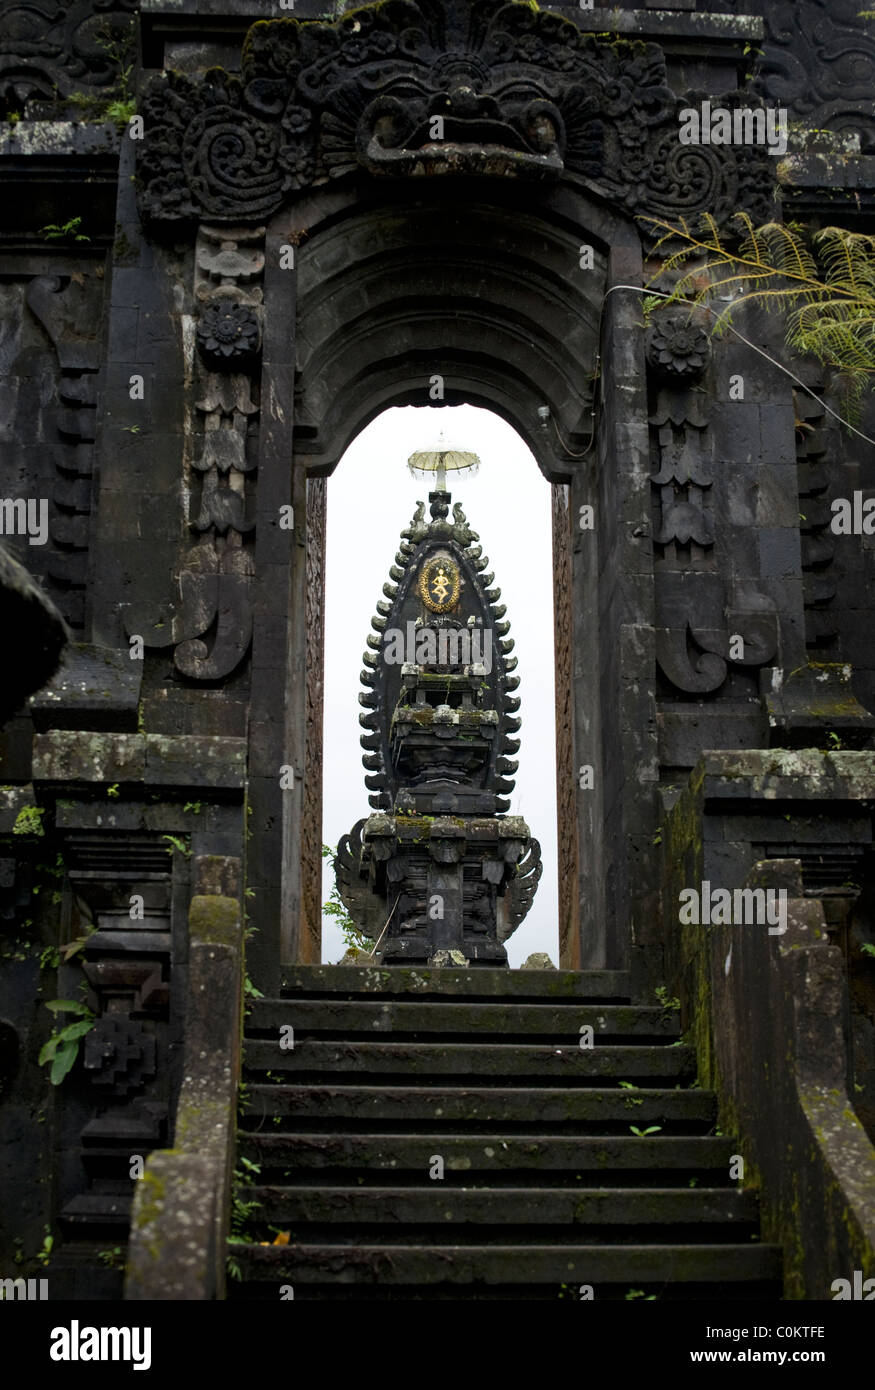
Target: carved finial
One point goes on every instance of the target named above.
(440, 505)
(418, 526)
(458, 515)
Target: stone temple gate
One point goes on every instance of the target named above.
(231, 238)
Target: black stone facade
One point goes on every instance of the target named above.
(193, 326)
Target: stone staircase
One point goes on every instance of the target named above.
(545, 1187)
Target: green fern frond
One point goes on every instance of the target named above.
(823, 284)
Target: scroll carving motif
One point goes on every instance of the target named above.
(697, 614)
(210, 626)
(406, 89)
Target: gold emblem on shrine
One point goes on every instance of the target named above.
(439, 583)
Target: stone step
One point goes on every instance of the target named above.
(396, 1208)
(425, 1061)
(363, 1018)
(481, 1157)
(565, 1108)
(478, 982)
(420, 1268)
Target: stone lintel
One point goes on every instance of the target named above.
(154, 759)
(784, 774)
(660, 24)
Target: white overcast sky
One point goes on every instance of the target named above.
(371, 496)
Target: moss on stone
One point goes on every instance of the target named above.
(214, 920)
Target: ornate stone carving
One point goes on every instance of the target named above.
(48, 48)
(819, 62)
(213, 593)
(128, 1055)
(683, 478)
(119, 1055)
(817, 541)
(228, 334)
(216, 575)
(311, 816)
(70, 317)
(384, 681)
(676, 347)
(696, 616)
(438, 868)
(565, 782)
(404, 88)
(694, 623)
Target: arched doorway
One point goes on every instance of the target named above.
(500, 305)
(370, 497)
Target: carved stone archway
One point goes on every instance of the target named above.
(365, 193)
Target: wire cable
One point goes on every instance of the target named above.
(657, 294)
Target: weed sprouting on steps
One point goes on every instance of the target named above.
(243, 1210)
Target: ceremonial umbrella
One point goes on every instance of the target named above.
(441, 460)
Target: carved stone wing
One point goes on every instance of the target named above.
(521, 890)
(364, 907)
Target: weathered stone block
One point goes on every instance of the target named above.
(70, 756)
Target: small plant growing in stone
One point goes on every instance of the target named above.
(121, 111)
(179, 845)
(662, 995)
(353, 939)
(630, 1086)
(29, 821)
(642, 1133)
(57, 231)
(62, 1048)
(45, 1254)
(243, 1210)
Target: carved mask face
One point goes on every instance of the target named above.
(456, 119)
